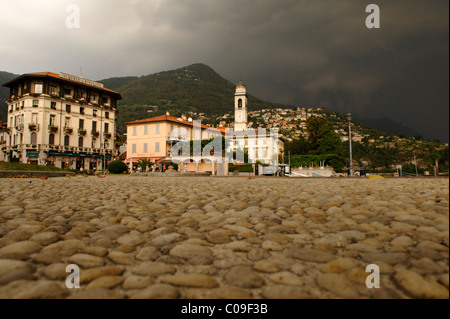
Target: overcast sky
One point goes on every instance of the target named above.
(296, 52)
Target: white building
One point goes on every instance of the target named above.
(60, 120)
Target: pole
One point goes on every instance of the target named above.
(415, 163)
(350, 143)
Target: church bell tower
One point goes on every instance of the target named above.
(240, 108)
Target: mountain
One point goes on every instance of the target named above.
(194, 88)
(4, 93)
(389, 126)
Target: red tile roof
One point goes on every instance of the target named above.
(57, 76)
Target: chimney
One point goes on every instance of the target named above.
(167, 113)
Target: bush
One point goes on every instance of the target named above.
(117, 167)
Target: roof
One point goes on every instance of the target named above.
(58, 77)
(241, 84)
(173, 119)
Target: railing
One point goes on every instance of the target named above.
(53, 128)
(33, 127)
(19, 127)
(81, 132)
(68, 130)
(95, 133)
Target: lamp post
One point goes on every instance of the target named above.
(349, 118)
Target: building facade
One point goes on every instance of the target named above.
(60, 120)
(153, 138)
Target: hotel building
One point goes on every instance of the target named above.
(60, 120)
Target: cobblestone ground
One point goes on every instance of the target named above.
(195, 237)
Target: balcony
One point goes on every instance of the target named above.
(68, 130)
(53, 128)
(33, 127)
(95, 133)
(107, 135)
(19, 127)
(81, 132)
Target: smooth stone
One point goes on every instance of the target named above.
(16, 275)
(166, 239)
(265, 266)
(191, 280)
(42, 289)
(239, 246)
(286, 278)
(257, 254)
(97, 294)
(243, 277)
(353, 235)
(418, 287)
(339, 265)
(426, 266)
(56, 271)
(8, 266)
(65, 247)
(307, 254)
(45, 238)
(97, 251)
(226, 263)
(121, 258)
(157, 291)
(86, 261)
(230, 292)
(88, 275)
(285, 292)
(402, 241)
(189, 250)
(148, 253)
(136, 282)
(148, 268)
(337, 284)
(106, 282)
(389, 258)
(131, 240)
(271, 245)
(47, 258)
(361, 247)
(20, 250)
(358, 275)
(219, 236)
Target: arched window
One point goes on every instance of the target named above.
(80, 141)
(33, 138)
(66, 140)
(240, 104)
(51, 139)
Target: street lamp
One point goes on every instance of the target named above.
(349, 118)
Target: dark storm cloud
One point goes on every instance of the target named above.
(297, 52)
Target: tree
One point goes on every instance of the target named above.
(144, 163)
(322, 137)
(117, 167)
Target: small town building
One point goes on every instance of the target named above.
(60, 120)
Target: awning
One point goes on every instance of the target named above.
(32, 154)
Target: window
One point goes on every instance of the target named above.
(106, 127)
(145, 147)
(52, 120)
(33, 138)
(105, 100)
(106, 115)
(146, 129)
(81, 124)
(157, 129)
(157, 147)
(240, 104)
(81, 110)
(133, 148)
(94, 126)
(68, 108)
(51, 139)
(80, 141)
(67, 122)
(179, 131)
(52, 105)
(94, 112)
(171, 130)
(93, 98)
(93, 143)
(36, 103)
(34, 118)
(67, 92)
(66, 140)
(38, 88)
(53, 90)
(134, 130)
(11, 107)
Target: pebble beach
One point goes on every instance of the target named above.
(224, 238)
